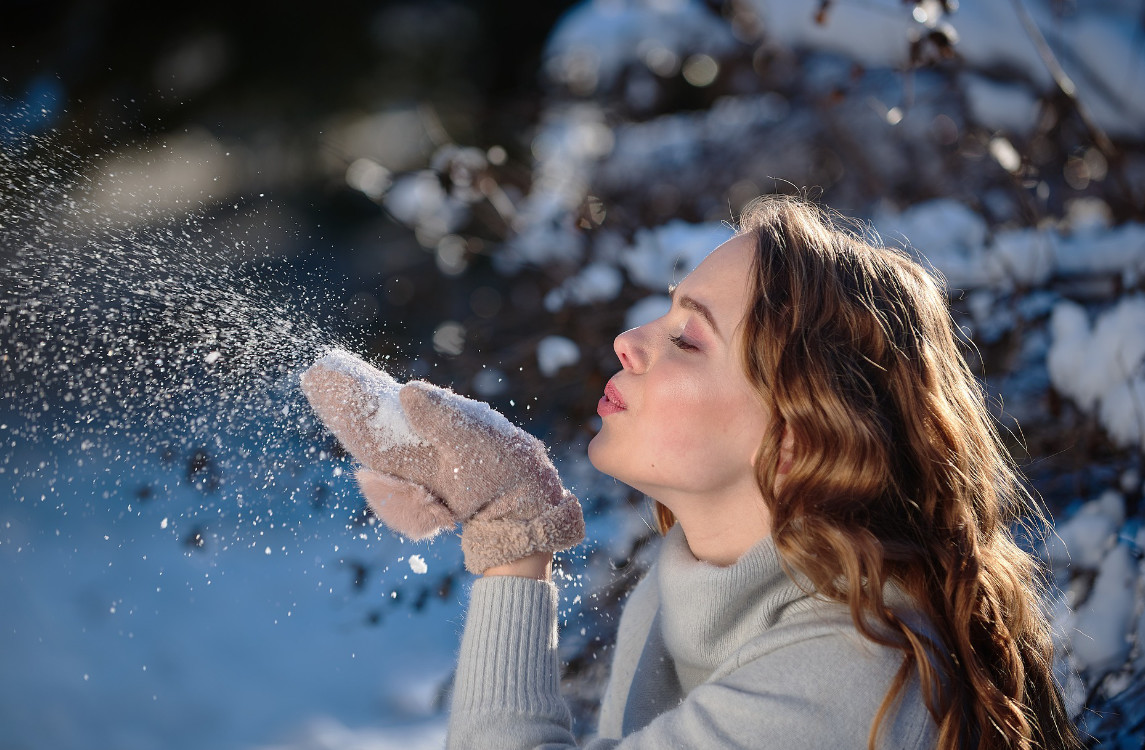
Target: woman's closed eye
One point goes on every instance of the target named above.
(682, 343)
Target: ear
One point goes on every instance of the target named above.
(786, 451)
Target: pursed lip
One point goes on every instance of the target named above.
(613, 395)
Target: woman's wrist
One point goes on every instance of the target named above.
(538, 565)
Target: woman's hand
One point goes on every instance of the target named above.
(468, 465)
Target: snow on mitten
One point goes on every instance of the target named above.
(433, 458)
(360, 405)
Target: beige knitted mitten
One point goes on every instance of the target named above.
(433, 458)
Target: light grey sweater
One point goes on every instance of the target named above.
(706, 657)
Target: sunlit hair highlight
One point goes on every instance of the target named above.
(898, 476)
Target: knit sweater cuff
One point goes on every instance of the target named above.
(508, 659)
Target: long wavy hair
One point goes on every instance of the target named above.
(898, 475)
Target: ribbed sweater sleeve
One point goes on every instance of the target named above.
(506, 692)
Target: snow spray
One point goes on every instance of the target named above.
(134, 331)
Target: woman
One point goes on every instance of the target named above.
(837, 568)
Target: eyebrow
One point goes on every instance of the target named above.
(690, 303)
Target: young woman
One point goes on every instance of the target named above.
(837, 568)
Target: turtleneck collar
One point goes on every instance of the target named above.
(708, 612)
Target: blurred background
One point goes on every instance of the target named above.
(196, 200)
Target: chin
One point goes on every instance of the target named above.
(594, 453)
(604, 459)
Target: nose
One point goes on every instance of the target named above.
(629, 350)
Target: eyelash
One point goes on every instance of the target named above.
(681, 343)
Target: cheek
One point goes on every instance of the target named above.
(697, 419)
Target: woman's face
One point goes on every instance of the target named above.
(690, 421)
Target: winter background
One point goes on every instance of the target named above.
(195, 202)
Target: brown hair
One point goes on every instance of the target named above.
(898, 475)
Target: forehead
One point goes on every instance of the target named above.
(721, 280)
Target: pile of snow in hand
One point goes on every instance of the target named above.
(1097, 44)
(1103, 368)
(480, 412)
(1092, 556)
(388, 423)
